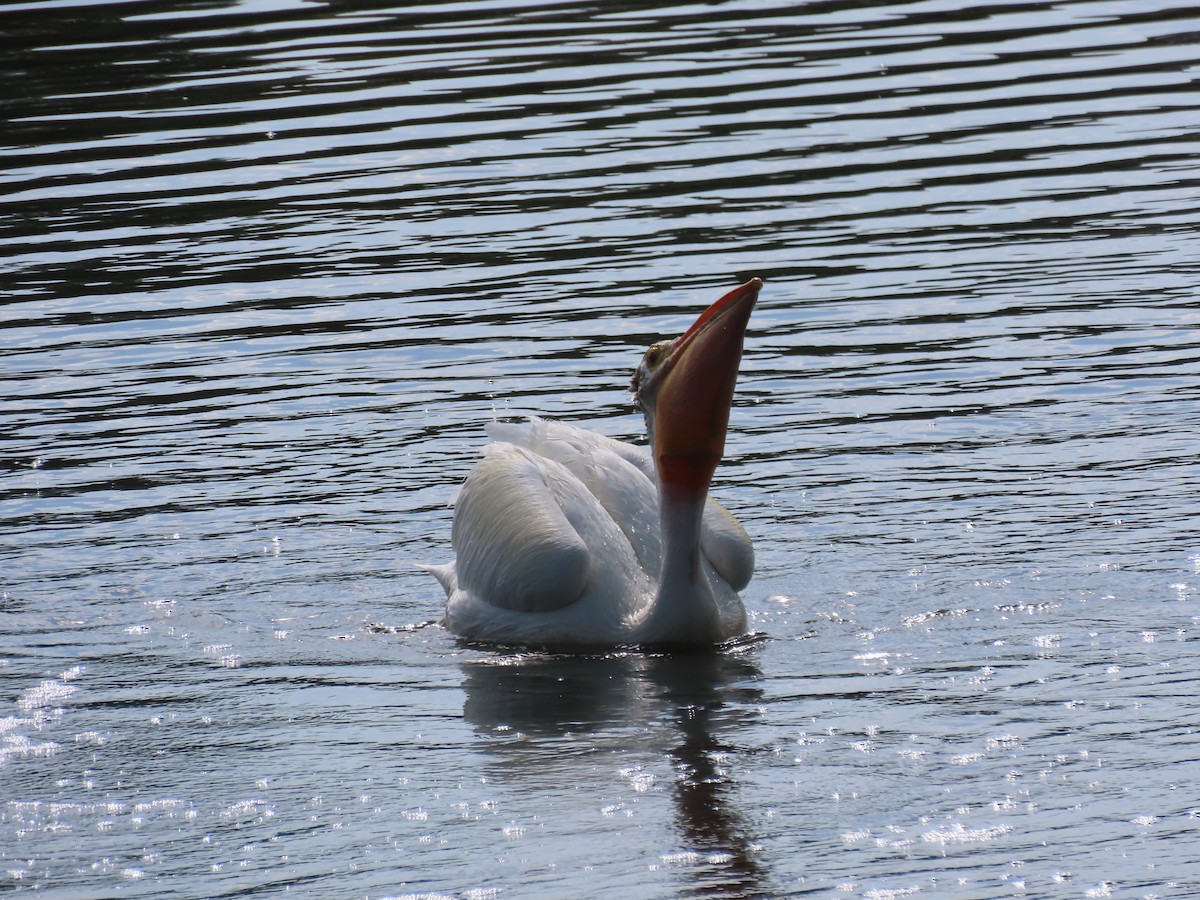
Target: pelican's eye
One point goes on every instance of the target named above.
(652, 359)
(655, 354)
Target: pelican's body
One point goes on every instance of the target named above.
(558, 542)
(566, 537)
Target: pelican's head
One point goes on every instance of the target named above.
(685, 388)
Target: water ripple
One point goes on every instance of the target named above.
(270, 266)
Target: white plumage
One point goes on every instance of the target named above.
(566, 537)
(557, 541)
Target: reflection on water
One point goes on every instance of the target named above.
(269, 267)
(688, 707)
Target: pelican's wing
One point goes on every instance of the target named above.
(590, 456)
(514, 546)
(727, 546)
(617, 484)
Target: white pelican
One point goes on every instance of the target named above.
(566, 537)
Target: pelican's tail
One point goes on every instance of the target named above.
(444, 573)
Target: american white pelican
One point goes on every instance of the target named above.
(566, 537)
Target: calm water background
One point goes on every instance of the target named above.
(267, 269)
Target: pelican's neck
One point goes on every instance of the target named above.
(685, 610)
(680, 517)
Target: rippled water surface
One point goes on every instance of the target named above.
(267, 269)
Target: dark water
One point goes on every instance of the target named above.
(267, 269)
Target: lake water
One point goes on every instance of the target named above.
(270, 266)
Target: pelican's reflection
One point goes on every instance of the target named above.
(561, 705)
